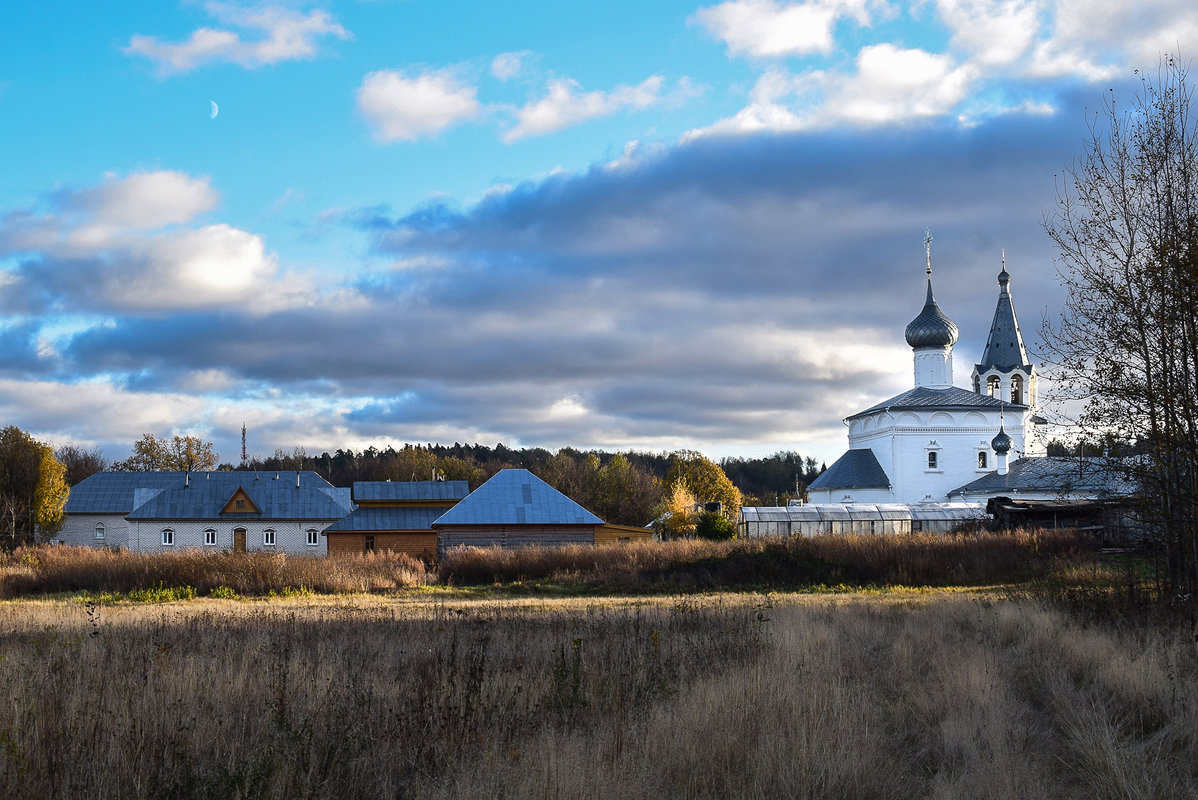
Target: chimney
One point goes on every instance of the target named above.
(297, 479)
(186, 479)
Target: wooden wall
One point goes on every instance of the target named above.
(615, 534)
(513, 536)
(420, 545)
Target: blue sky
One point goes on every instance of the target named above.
(614, 225)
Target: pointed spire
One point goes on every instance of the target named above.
(1004, 346)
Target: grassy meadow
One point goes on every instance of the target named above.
(386, 681)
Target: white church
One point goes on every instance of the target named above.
(930, 442)
(930, 458)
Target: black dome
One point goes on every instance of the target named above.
(1001, 443)
(931, 328)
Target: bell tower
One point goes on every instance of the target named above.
(1005, 372)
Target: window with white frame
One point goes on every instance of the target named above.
(210, 538)
(99, 530)
(268, 537)
(933, 459)
(313, 537)
(168, 537)
(982, 459)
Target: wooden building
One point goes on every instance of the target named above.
(394, 517)
(517, 509)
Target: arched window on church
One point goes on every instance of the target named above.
(1016, 390)
(992, 386)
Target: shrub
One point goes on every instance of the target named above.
(715, 526)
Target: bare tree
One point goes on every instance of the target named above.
(80, 463)
(1126, 345)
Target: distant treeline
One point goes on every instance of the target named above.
(624, 488)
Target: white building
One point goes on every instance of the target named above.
(277, 512)
(928, 443)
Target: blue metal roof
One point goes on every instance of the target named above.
(921, 398)
(202, 495)
(856, 469)
(409, 491)
(517, 497)
(112, 492)
(1094, 476)
(412, 518)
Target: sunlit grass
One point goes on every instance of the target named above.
(901, 693)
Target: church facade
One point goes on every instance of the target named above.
(927, 443)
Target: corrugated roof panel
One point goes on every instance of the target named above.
(856, 469)
(409, 491)
(376, 519)
(517, 497)
(922, 397)
(201, 495)
(1051, 474)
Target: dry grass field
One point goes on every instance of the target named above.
(974, 559)
(898, 695)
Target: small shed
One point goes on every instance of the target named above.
(517, 509)
(394, 517)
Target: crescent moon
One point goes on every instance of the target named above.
(215, 109)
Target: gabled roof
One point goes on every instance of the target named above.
(517, 497)
(112, 492)
(921, 398)
(275, 502)
(373, 518)
(1091, 476)
(1004, 346)
(856, 469)
(202, 495)
(409, 491)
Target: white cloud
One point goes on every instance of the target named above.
(566, 105)
(890, 84)
(82, 409)
(125, 244)
(286, 35)
(408, 108)
(506, 66)
(992, 32)
(148, 200)
(768, 29)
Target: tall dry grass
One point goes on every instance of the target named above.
(68, 569)
(948, 697)
(270, 701)
(971, 559)
(925, 560)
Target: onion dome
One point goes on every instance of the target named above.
(931, 328)
(1001, 443)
